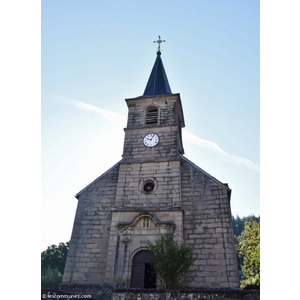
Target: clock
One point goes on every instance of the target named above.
(151, 140)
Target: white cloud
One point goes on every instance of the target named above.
(195, 140)
(106, 114)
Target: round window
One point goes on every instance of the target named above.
(148, 187)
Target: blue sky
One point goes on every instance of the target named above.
(97, 53)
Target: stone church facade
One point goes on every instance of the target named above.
(154, 189)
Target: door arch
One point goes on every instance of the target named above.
(142, 272)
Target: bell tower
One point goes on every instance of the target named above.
(149, 182)
(152, 146)
(155, 121)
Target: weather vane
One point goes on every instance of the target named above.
(159, 41)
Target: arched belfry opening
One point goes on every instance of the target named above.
(152, 115)
(143, 275)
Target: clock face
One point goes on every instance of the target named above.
(151, 140)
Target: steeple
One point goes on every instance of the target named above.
(158, 82)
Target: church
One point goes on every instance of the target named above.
(154, 189)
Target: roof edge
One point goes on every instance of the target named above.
(153, 96)
(224, 185)
(98, 178)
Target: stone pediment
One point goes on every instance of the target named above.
(146, 224)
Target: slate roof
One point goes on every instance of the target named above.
(158, 83)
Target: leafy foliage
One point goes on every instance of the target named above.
(53, 265)
(238, 228)
(170, 261)
(55, 257)
(51, 278)
(238, 223)
(248, 249)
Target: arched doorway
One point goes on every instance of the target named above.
(142, 272)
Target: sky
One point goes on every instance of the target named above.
(95, 54)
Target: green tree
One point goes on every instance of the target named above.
(53, 265)
(238, 228)
(51, 278)
(248, 249)
(170, 262)
(238, 225)
(55, 257)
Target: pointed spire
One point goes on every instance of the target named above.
(158, 83)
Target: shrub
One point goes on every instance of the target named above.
(51, 278)
(170, 262)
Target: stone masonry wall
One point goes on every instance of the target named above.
(130, 189)
(135, 150)
(90, 236)
(228, 294)
(208, 229)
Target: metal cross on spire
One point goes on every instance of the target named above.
(159, 41)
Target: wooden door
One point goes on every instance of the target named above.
(142, 272)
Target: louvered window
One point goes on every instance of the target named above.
(152, 116)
